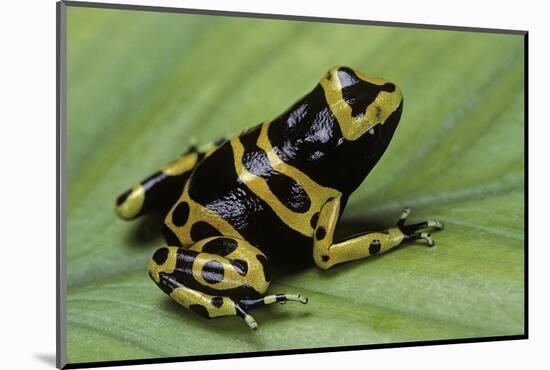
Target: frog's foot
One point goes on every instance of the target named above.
(216, 276)
(245, 304)
(414, 231)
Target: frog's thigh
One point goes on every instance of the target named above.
(158, 191)
(244, 270)
(217, 276)
(326, 253)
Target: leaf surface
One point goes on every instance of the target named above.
(143, 85)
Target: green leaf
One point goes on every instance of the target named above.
(143, 85)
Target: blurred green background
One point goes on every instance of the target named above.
(142, 85)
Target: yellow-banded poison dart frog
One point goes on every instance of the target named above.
(272, 193)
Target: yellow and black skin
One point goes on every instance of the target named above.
(275, 192)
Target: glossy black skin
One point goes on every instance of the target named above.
(308, 137)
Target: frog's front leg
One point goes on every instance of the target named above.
(217, 276)
(327, 254)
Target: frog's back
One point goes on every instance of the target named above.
(240, 190)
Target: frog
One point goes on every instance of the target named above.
(272, 194)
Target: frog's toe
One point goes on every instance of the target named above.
(418, 231)
(245, 304)
(273, 298)
(292, 298)
(436, 224)
(251, 322)
(297, 298)
(243, 314)
(408, 237)
(405, 213)
(430, 224)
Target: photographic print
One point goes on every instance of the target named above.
(241, 184)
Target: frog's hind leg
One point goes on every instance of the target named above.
(327, 253)
(217, 276)
(160, 190)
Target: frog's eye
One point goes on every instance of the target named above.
(331, 78)
(347, 77)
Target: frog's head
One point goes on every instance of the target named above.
(367, 111)
(362, 104)
(339, 131)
